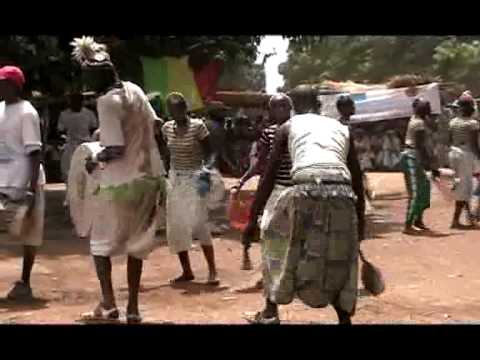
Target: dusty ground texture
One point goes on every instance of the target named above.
(430, 279)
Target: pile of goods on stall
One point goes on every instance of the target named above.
(382, 115)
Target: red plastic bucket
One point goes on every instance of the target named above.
(239, 210)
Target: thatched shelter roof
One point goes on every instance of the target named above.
(409, 80)
(348, 86)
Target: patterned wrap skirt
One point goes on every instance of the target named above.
(310, 245)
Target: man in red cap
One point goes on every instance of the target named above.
(22, 203)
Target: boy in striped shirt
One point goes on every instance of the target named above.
(189, 181)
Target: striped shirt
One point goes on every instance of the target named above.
(283, 173)
(186, 152)
(461, 129)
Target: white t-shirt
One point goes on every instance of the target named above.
(318, 142)
(19, 136)
(126, 119)
(77, 125)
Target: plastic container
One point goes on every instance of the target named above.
(204, 183)
(239, 209)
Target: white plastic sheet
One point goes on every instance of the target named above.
(384, 104)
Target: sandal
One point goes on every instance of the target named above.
(260, 319)
(182, 279)
(421, 226)
(134, 319)
(100, 314)
(411, 231)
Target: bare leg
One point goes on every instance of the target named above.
(456, 216)
(344, 317)
(187, 274)
(103, 266)
(134, 274)
(29, 253)
(210, 257)
(270, 310)
(470, 216)
(246, 261)
(21, 289)
(409, 230)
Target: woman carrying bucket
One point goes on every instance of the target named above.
(280, 107)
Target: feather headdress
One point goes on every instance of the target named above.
(87, 51)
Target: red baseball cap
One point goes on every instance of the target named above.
(13, 74)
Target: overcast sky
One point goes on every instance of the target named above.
(273, 43)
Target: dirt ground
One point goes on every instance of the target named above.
(430, 279)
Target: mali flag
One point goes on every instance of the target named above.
(169, 74)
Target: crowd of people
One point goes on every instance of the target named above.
(418, 158)
(309, 207)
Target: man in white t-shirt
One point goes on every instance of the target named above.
(78, 123)
(22, 203)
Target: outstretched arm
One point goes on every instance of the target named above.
(426, 160)
(209, 153)
(257, 166)
(111, 153)
(267, 181)
(422, 150)
(474, 140)
(162, 144)
(357, 185)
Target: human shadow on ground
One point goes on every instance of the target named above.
(431, 234)
(379, 224)
(197, 288)
(14, 306)
(436, 234)
(146, 288)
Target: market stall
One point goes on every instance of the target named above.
(381, 118)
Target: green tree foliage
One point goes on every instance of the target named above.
(374, 59)
(243, 77)
(459, 61)
(47, 63)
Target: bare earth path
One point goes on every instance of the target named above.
(430, 279)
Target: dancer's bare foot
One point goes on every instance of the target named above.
(213, 279)
(459, 226)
